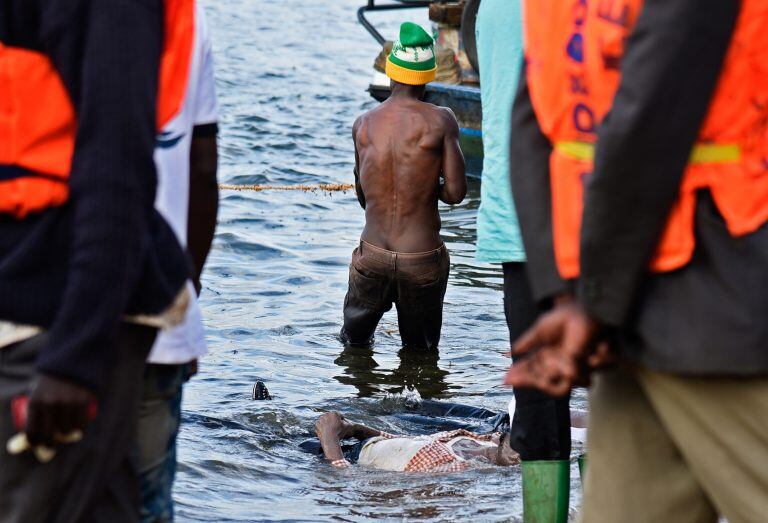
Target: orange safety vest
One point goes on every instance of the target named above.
(574, 50)
(38, 121)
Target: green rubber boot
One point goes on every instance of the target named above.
(546, 489)
(582, 468)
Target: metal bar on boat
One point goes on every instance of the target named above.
(371, 6)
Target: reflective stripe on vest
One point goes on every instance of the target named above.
(574, 50)
(38, 122)
(701, 153)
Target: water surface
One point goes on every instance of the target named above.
(291, 77)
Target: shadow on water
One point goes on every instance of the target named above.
(418, 370)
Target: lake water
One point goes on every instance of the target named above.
(291, 77)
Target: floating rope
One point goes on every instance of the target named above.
(325, 187)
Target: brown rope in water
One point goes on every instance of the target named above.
(325, 187)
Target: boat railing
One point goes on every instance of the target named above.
(398, 4)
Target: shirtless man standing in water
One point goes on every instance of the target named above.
(407, 157)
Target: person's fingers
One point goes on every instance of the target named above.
(527, 342)
(81, 418)
(602, 356)
(59, 420)
(518, 375)
(524, 373)
(576, 336)
(545, 370)
(41, 424)
(557, 387)
(559, 373)
(544, 331)
(65, 419)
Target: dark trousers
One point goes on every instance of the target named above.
(414, 282)
(159, 422)
(95, 480)
(541, 428)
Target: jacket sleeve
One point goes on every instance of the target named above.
(113, 83)
(669, 71)
(529, 172)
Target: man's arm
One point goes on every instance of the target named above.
(454, 186)
(203, 196)
(529, 172)
(203, 154)
(669, 71)
(356, 170)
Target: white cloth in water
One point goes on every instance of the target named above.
(467, 448)
(391, 453)
(397, 453)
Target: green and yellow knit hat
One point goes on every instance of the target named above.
(412, 60)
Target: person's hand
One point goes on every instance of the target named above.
(559, 351)
(57, 409)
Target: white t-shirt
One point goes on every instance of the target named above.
(185, 342)
(391, 453)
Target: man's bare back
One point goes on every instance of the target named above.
(403, 148)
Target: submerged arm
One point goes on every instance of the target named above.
(454, 186)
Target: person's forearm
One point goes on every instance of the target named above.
(529, 170)
(111, 188)
(361, 432)
(450, 194)
(203, 202)
(669, 71)
(453, 178)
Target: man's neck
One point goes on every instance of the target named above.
(405, 91)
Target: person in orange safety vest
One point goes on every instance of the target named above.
(640, 138)
(82, 248)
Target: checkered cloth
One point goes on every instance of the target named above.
(437, 456)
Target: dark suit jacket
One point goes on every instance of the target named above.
(710, 317)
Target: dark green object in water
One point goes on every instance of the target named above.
(546, 488)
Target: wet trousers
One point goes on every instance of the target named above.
(414, 282)
(94, 480)
(670, 448)
(541, 428)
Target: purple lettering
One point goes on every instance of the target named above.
(580, 13)
(578, 86)
(583, 118)
(607, 10)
